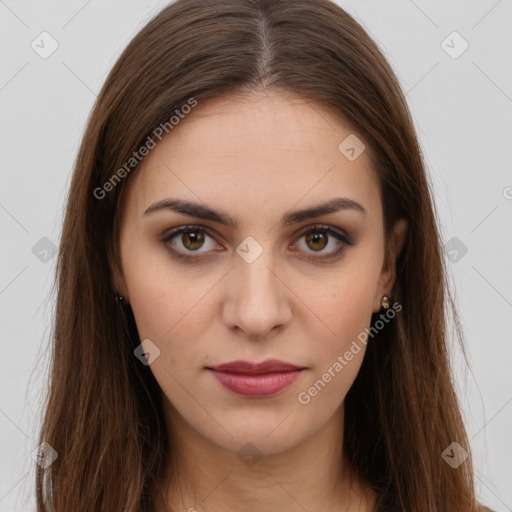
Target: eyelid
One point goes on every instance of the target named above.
(343, 238)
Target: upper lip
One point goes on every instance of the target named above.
(246, 367)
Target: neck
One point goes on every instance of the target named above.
(310, 476)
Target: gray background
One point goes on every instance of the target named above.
(462, 108)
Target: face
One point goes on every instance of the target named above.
(253, 282)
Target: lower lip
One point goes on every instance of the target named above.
(256, 385)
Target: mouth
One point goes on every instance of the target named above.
(256, 379)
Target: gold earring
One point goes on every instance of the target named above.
(385, 302)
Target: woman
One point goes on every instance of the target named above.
(251, 290)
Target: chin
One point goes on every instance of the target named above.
(258, 435)
(256, 444)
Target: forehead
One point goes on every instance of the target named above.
(260, 149)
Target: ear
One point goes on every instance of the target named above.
(388, 274)
(118, 281)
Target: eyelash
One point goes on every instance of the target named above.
(167, 237)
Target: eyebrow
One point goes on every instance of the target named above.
(203, 211)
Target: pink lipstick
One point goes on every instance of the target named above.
(256, 379)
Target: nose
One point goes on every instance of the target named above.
(258, 300)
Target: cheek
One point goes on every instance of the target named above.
(346, 347)
(154, 292)
(170, 309)
(346, 307)
(339, 354)
(345, 304)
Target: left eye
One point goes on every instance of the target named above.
(320, 237)
(194, 238)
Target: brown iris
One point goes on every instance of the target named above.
(195, 238)
(316, 238)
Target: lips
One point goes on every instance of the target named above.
(248, 368)
(256, 379)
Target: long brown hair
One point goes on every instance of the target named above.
(103, 413)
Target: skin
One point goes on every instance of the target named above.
(255, 157)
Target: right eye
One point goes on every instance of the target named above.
(189, 240)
